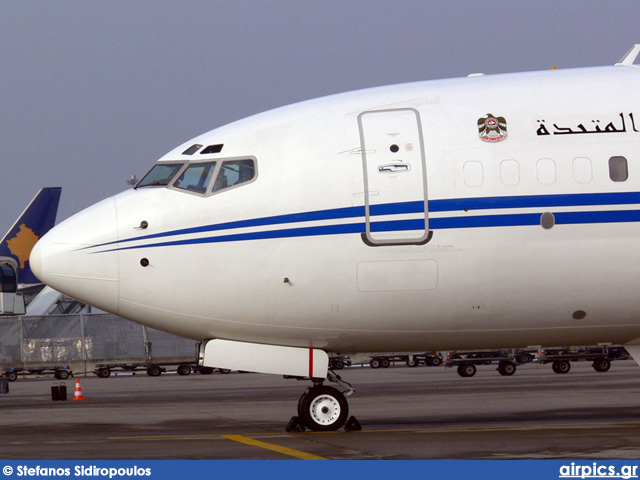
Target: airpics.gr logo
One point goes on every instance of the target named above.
(492, 129)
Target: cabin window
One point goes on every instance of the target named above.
(618, 169)
(546, 169)
(8, 279)
(192, 149)
(472, 173)
(582, 172)
(510, 172)
(212, 149)
(234, 172)
(160, 175)
(196, 178)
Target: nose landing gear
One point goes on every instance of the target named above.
(323, 409)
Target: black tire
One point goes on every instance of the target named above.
(338, 365)
(12, 376)
(524, 358)
(412, 362)
(61, 374)
(384, 362)
(561, 366)
(224, 371)
(206, 370)
(184, 369)
(466, 369)
(300, 401)
(601, 364)
(506, 368)
(436, 361)
(154, 371)
(323, 409)
(104, 372)
(374, 363)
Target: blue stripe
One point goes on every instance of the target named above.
(619, 216)
(447, 205)
(288, 233)
(334, 214)
(513, 220)
(535, 201)
(509, 220)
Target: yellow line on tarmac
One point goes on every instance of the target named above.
(394, 430)
(541, 426)
(166, 437)
(273, 447)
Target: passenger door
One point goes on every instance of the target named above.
(395, 177)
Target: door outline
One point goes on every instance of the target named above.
(367, 238)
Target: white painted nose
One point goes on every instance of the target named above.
(77, 257)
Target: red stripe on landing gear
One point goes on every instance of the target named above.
(311, 363)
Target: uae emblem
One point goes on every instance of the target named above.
(492, 129)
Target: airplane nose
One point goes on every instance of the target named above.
(35, 260)
(73, 258)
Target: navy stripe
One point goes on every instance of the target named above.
(535, 201)
(509, 220)
(619, 216)
(288, 233)
(338, 213)
(513, 220)
(447, 205)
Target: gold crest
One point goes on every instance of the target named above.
(492, 129)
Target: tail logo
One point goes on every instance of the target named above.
(22, 244)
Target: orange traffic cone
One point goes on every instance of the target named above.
(78, 394)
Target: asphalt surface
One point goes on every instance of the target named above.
(406, 413)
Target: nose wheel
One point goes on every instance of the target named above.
(323, 408)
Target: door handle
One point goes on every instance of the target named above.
(394, 168)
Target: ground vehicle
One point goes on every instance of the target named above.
(61, 372)
(601, 356)
(410, 359)
(339, 362)
(153, 369)
(466, 361)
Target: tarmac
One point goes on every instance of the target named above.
(405, 413)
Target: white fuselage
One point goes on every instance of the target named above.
(531, 236)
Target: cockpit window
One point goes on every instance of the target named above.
(197, 177)
(204, 178)
(160, 175)
(234, 172)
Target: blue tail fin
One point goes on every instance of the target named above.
(36, 220)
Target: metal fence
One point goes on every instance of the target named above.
(86, 339)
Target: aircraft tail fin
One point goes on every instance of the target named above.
(36, 220)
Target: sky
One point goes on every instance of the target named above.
(94, 92)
